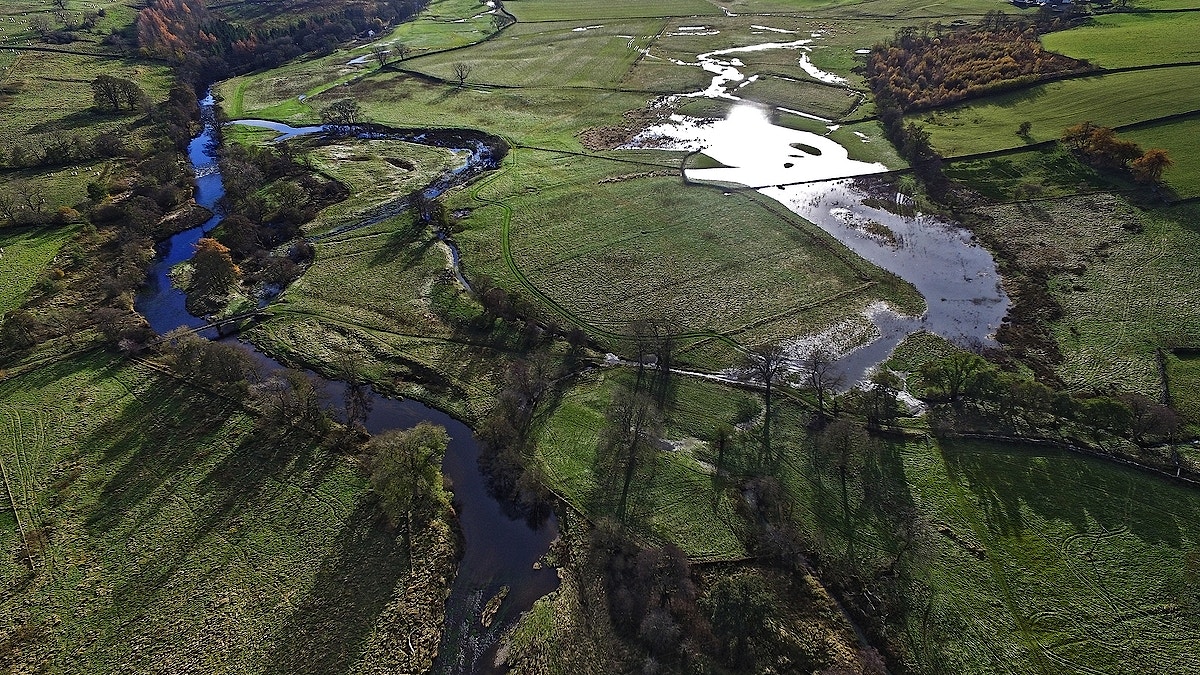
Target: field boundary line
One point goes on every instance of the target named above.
(99, 55)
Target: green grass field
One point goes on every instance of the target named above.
(276, 93)
(568, 10)
(680, 502)
(156, 527)
(1109, 100)
(1183, 377)
(549, 54)
(1123, 292)
(117, 14)
(1120, 40)
(1085, 567)
(606, 242)
(1182, 140)
(27, 254)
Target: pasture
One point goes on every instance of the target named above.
(604, 241)
(569, 10)
(1123, 40)
(154, 526)
(1182, 140)
(549, 55)
(1121, 275)
(679, 500)
(1183, 378)
(281, 93)
(27, 254)
(1108, 100)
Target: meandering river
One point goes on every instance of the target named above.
(499, 550)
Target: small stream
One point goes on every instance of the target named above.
(499, 549)
(812, 175)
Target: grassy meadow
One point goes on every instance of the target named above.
(605, 241)
(157, 527)
(1108, 100)
(1183, 378)
(1124, 40)
(46, 97)
(28, 253)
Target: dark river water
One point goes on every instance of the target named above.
(499, 549)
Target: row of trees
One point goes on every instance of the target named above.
(1100, 147)
(1023, 405)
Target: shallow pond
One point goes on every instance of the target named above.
(809, 174)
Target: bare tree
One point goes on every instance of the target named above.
(823, 377)
(42, 24)
(767, 365)
(382, 54)
(461, 72)
(401, 51)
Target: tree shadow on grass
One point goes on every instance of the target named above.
(354, 584)
(404, 241)
(166, 490)
(1058, 486)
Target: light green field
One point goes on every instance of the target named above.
(1110, 100)
(168, 533)
(27, 253)
(1086, 567)
(1182, 140)
(549, 54)
(910, 10)
(1047, 172)
(1120, 40)
(571, 10)
(118, 14)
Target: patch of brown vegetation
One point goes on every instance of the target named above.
(612, 137)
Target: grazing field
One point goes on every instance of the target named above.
(1183, 378)
(1123, 281)
(55, 96)
(1182, 139)
(911, 11)
(606, 242)
(549, 54)
(18, 31)
(569, 10)
(1051, 172)
(1060, 563)
(1055, 560)
(1122, 40)
(281, 93)
(27, 254)
(158, 527)
(1108, 100)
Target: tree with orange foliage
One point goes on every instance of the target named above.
(1150, 166)
(213, 268)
